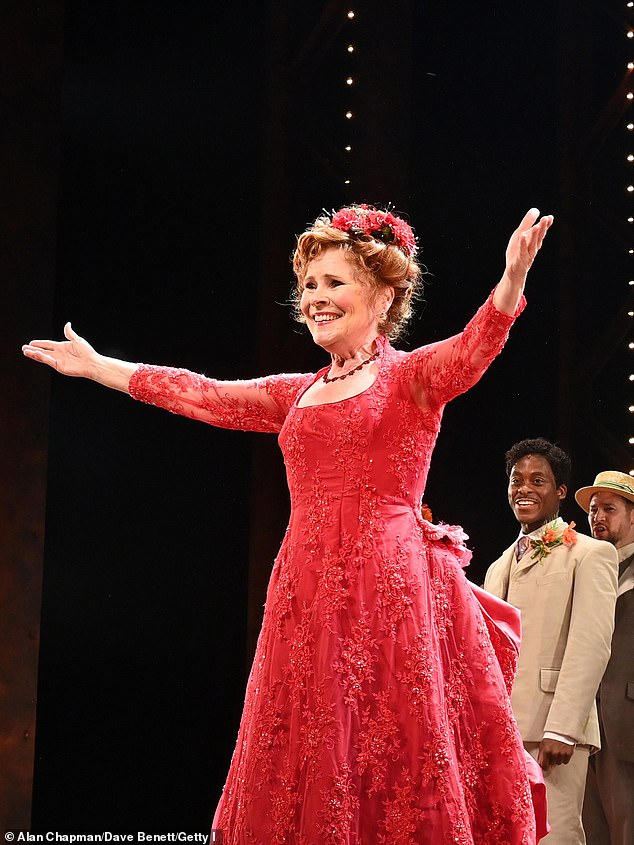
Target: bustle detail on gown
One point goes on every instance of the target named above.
(377, 710)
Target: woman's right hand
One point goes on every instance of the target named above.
(71, 357)
(76, 357)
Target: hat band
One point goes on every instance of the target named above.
(616, 486)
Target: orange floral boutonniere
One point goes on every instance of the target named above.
(551, 537)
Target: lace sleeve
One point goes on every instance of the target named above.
(256, 405)
(443, 370)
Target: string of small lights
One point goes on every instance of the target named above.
(349, 114)
(630, 219)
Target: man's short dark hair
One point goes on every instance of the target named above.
(556, 457)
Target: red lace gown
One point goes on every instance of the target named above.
(377, 711)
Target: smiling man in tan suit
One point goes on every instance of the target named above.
(564, 585)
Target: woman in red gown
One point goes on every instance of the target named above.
(377, 709)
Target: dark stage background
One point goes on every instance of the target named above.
(195, 140)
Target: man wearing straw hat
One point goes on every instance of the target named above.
(608, 810)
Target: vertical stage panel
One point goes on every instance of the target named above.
(31, 39)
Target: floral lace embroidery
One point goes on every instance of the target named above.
(443, 595)
(473, 763)
(436, 760)
(355, 662)
(456, 688)
(317, 731)
(508, 733)
(352, 436)
(418, 676)
(340, 807)
(378, 741)
(257, 405)
(283, 806)
(295, 463)
(452, 367)
(299, 669)
(284, 593)
(332, 592)
(270, 732)
(401, 816)
(395, 589)
(405, 449)
(318, 513)
(500, 825)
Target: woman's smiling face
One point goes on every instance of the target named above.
(342, 309)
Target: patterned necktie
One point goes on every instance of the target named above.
(522, 546)
(623, 565)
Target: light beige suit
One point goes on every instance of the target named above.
(567, 603)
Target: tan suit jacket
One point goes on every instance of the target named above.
(567, 603)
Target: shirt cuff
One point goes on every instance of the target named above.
(560, 737)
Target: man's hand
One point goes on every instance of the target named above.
(554, 753)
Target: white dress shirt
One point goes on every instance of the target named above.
(626, 580)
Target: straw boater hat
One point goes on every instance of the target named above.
(612, 481)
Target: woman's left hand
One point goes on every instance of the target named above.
(525, 243)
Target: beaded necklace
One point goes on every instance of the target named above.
(353, 370)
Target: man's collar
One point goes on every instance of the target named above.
(557, 522)
(625, 551)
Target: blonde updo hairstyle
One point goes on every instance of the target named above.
(383, 265)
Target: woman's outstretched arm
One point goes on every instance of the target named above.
(440, 371)
(76, 357)
(259, 404)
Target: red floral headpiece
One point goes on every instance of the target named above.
(381, 225)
